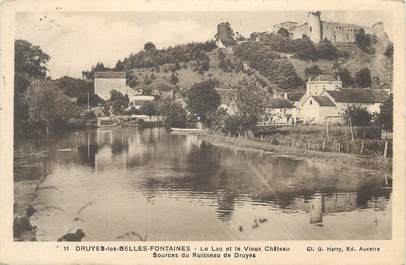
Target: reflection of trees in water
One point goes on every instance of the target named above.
(119, 144)
(87, 155)
(373, 190)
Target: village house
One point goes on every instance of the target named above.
(325, 100)
(105, 82)
(371, 99)
(279, 111)
(321, 83)
(314, 87)
(139, 100)
(319, 109)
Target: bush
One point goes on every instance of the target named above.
(358, 115)
(232, 124)
(389, 51)
(313, 71)
(385, 117)
(363, 78)
(345, 77)
(327, 51)
(364, 41)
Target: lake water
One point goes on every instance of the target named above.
(121, 183)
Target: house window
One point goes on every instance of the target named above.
(311, 102)
(310, 29)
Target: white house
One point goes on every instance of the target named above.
(138, 101)
(279, 111)
(319, 109)
(321, 83)
(325, 99)
(105, 82)
(371, 99)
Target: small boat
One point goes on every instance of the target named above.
(185, 130)
(65, 150)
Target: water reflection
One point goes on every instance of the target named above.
(163, 175)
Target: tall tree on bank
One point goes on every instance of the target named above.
(29, 63)
(48, 106)
(251, 103)
(203, 99)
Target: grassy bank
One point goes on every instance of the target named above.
(345, 159)
(340, 139)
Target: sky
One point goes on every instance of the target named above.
(76, 41)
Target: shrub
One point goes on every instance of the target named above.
(358, 115)
(363, 78)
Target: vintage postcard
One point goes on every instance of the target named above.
(202, 132)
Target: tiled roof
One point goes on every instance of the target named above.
(280, 103)
(295, 96)
(324, 101)
(359, 95)
(109, 74)
(324, 78)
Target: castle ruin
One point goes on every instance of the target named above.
(317, 30)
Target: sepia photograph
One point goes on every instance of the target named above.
(203, 126)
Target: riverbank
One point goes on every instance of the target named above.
(343, 159)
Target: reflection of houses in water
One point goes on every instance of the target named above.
(321, 204)
(316, 210)
(225, 207)
(191, 142)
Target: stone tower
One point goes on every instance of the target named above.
(315, 30)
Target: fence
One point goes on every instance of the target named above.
(356, 140)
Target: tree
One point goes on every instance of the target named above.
(119, 66)
(385, 117)
(283, 32)
(118, 101)
(202, 100)
(345, 77)
(147, 81)
(359, 115)
(305, 49)
(363, 78)
(363, 40)
(389, 51)
(232, 124)
(30, 61)
(48, 106)
(99, 68)
(281, 72)
(174, 79)
(313, 71)
(173, 112)
(149, 108)
(326, 50)
(251, 103)
(149, 46)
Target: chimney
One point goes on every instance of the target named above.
(285, 95)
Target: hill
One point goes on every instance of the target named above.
(277, 62)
